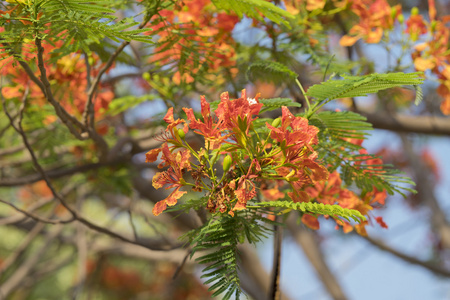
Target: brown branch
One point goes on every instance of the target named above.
(82, 246)
(382, 246)
(24, 269)
(31, 75)
(22, 247)
(12, 150)
(88, 114)
(36, 217)
(307, 241)
(275, 292)
(69, 120)
(412, 124)
(57, 173)
(426, 191)
(73, 212)
(20, 217)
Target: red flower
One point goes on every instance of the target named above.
(302, 135)
(246, 191)
(171, 178)
(212, 131)
(311, 221)
(237, 114)
(381, 222)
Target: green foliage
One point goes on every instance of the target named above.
(419, 94)
(276, 103)
(270, 71)
(317, 208)
(254, 9)
(79, 23)
(122, 104)
(356, 86)
(339, 153)
(219, 237)
(340, 125)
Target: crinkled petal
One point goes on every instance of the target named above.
(152, 155)
(174, 196)
(311, 221)
(159, 207)
(169, 116)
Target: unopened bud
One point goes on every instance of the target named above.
(227, 163)
(401, 18)
(433, 25)
(181, 133)
(146, 76)
(276, 122)
(414, 11)
(393, 12)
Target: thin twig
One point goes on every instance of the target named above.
(130, 214)
(433, 268)
(307, 241)
(36, 217)
(22, 247)
(183, 262)
(44, 175)
(20, 217)
(69, 120)
(275, 291)
(24, 269)
(82, 246)
(88, 113)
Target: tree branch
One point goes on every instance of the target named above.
(382, 246)
(36, 217)
(65, 117)
(307, 241)
(16, 278)
(412, 124)
(88, 114)
(61, 200)
(425, 188)
(22, 247)
(275, 292)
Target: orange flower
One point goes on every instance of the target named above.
(374, 18)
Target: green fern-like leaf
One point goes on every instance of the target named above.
(340, 154)
(221, 237)
(355, 86)
(419, 95)
(270, 71)
(317, 208)
(341, 125)
(254, 9)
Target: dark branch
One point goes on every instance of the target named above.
(413, 124)
(433, 268)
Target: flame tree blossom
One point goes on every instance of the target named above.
(277, 161)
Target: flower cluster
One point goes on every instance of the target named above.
(250, 160)
(433, 53)
(278, 160)
(374, 18)
(203, 30)
(68, 75)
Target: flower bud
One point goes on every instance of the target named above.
(401, 18)
(146, 76)
(276, 122)
(414, 11)
(393, 12)
(227, 163)
(181, 133)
